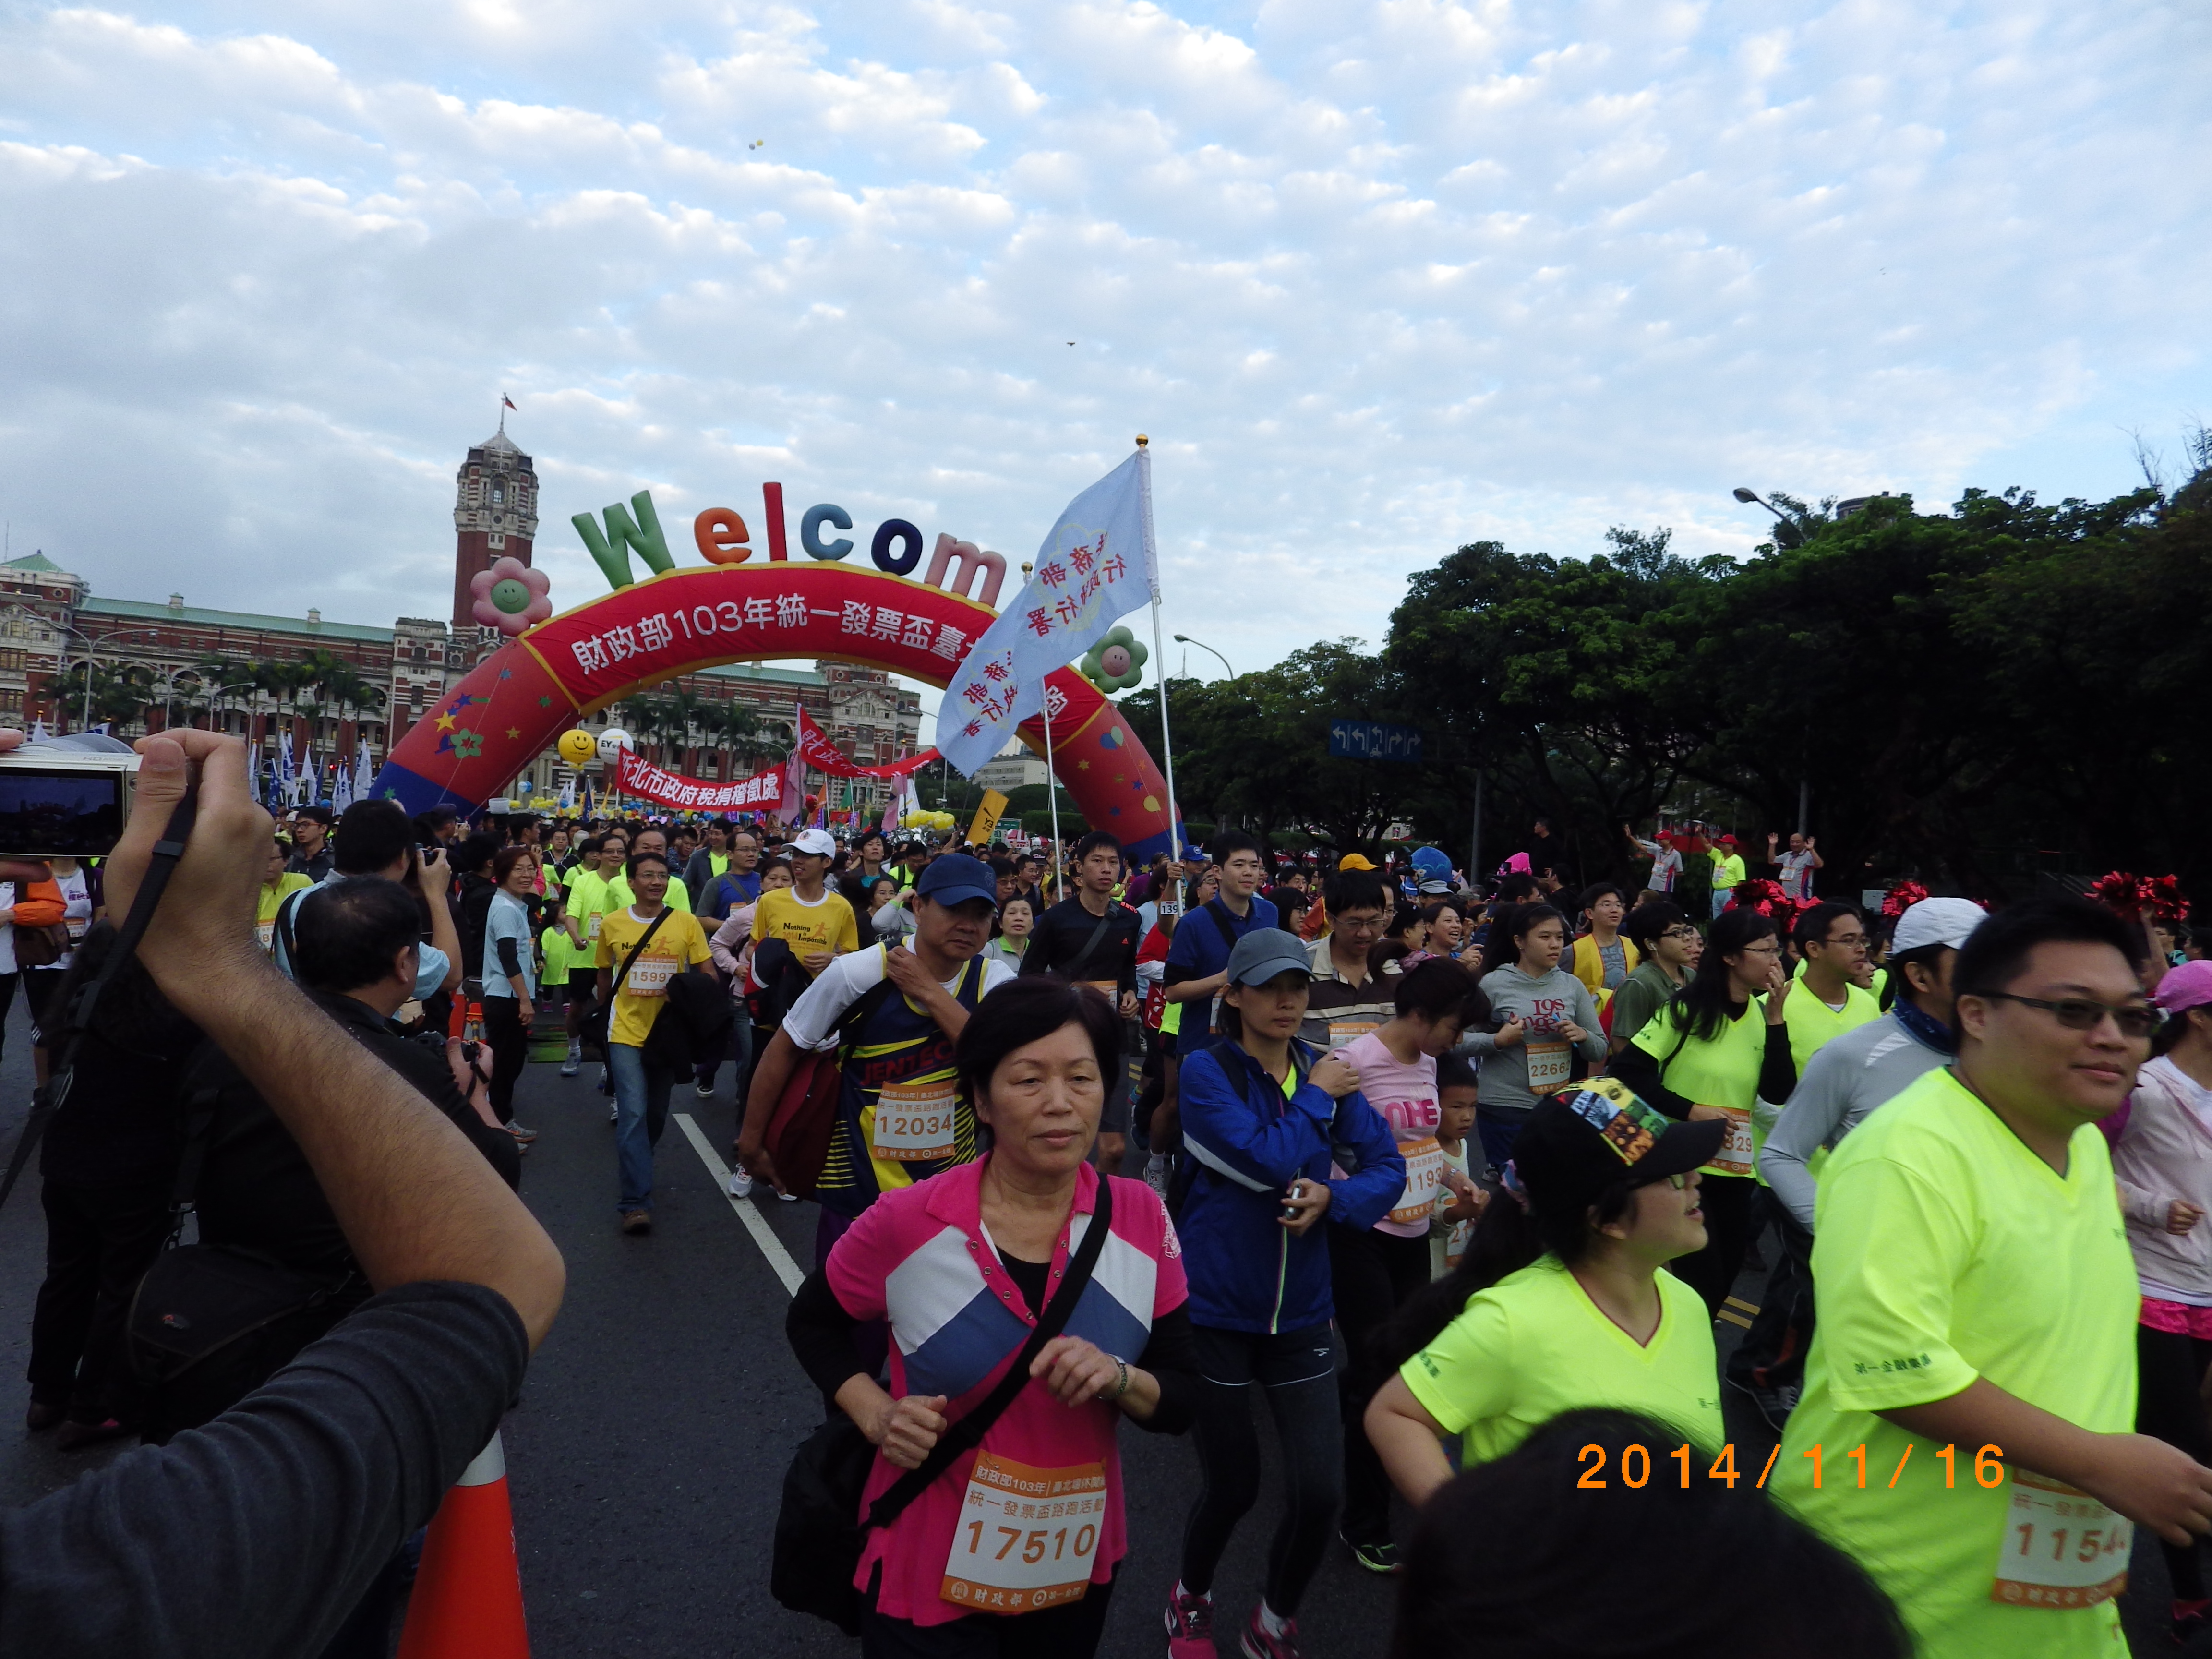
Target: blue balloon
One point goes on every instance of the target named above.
(893, 530)
(810, 531)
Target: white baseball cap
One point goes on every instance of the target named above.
(1937, 922)
(816, 842)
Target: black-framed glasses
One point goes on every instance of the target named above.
(1680, 932)
(2134, 1019)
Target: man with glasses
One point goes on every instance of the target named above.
(1346, 1001)
(1669, 948)
(1832, 938)
(1976, 1351)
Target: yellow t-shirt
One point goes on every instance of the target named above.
(1945, 1251)
(1534, 1344)
(1812, 1022)
(1728, 871)
(680, 943)
(825, 925)
(266, 903)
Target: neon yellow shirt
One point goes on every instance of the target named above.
(1722, 1072)
(588, 900)
(825, 925)
(265, 901)
(1534, 1344)
(1947, 1251)
(561, 959)
(680, 943)
(1726, 872)
(1812, 1022)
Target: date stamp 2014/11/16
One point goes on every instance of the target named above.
(1635, 1465)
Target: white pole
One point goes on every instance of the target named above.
(1159, 653)
(1051, 791)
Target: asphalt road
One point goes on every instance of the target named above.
(647, 1453)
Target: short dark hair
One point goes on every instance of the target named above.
(1516, 887)
(321, 815)
(1355, 889)
(475, 851)
(1027, 1010)
(432, 819)
(1440, 988)
(1996, 952)
(630, 868)
(347, 932)
(1593, 894)
(371, 834)
(1092, 843)
(1235, 841)
(1813, 926)
(1537, 1535)
(1455, 1071)
(1649, 919)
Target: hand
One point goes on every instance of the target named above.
(906, 971)
(1334, 1076)
(1128, 1005)
(431, 873)
(753, 1154)
(1075, 1370)
(202, 935)
(1510, 1034)
(815, 961)
(2180, 1217)
(1778, 991)
(907, 1429)
(1707, 1115)
(1573, 1032)
(1809, 843)
(1770, 839)
(1309, 1200)
(1467, 1199)
(8, 911)
(2152, 1484)
(527, 1010)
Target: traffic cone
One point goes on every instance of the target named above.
(467, 1602)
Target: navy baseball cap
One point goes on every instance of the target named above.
(956, 878)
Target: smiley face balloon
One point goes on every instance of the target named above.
(577, 748)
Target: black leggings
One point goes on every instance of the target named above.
(1296, 1370)
(2169, 1370)
(510, 1051)
(1371, 1274)
(1726, 1200)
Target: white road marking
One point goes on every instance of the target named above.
(763, 1235)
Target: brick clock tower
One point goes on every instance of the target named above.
(495, 515)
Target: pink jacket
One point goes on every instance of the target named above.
(2163, 1152)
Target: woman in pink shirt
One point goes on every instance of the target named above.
(1372, 1270)
(1027, 1527)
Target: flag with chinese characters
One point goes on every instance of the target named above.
(1093, 569)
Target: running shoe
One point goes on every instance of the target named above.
(704, 1091)
(524, 1135)
(1375, 1558)
(1258, 1644)
(1190, 1626)
(1156, 1174)
(741, 1184)
(572, 1065)
(789, 1198)
(614, 1112)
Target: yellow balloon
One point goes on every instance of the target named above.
(578, 748)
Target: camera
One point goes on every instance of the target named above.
(66, 797)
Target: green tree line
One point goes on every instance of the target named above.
(1973, 698)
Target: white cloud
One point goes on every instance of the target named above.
(1378, 278)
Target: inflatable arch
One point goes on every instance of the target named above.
(486, 730)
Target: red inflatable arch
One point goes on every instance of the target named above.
(485, 731)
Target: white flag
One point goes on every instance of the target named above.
(1093, 568)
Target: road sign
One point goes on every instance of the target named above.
(1373, 740)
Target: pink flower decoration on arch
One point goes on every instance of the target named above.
(511, 597)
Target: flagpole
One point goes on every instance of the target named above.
(1160, 655)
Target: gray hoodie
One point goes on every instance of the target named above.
(1541, 1005)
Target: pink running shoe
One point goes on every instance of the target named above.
(1190, 1626)
(1258, 1644)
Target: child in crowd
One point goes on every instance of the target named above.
(1459, 1200)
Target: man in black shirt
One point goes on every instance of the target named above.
(1089, 937)
(310, 836)
(256, 1536)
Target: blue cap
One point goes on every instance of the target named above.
(956, 878)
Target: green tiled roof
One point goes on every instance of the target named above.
(148, 610)
(753, 671)
(32, 561)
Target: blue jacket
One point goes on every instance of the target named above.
(1248, 1144)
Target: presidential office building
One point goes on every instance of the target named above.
(335, 684)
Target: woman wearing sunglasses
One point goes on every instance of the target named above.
(1559, 1302)
(1714, 1053)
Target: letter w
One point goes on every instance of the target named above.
(611, 552)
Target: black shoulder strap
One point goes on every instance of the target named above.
(286, 935)
(643, 939)
(864, 1007)
(967, 1433)
(1214, 907)
(1074, 969)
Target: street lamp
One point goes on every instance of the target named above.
(1185, 638)
(1786, 532)
(91, 640)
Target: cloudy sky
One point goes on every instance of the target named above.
(1378, 278)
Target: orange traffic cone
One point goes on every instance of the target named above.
(467, 1602)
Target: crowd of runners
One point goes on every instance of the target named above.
(1453, 1181)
